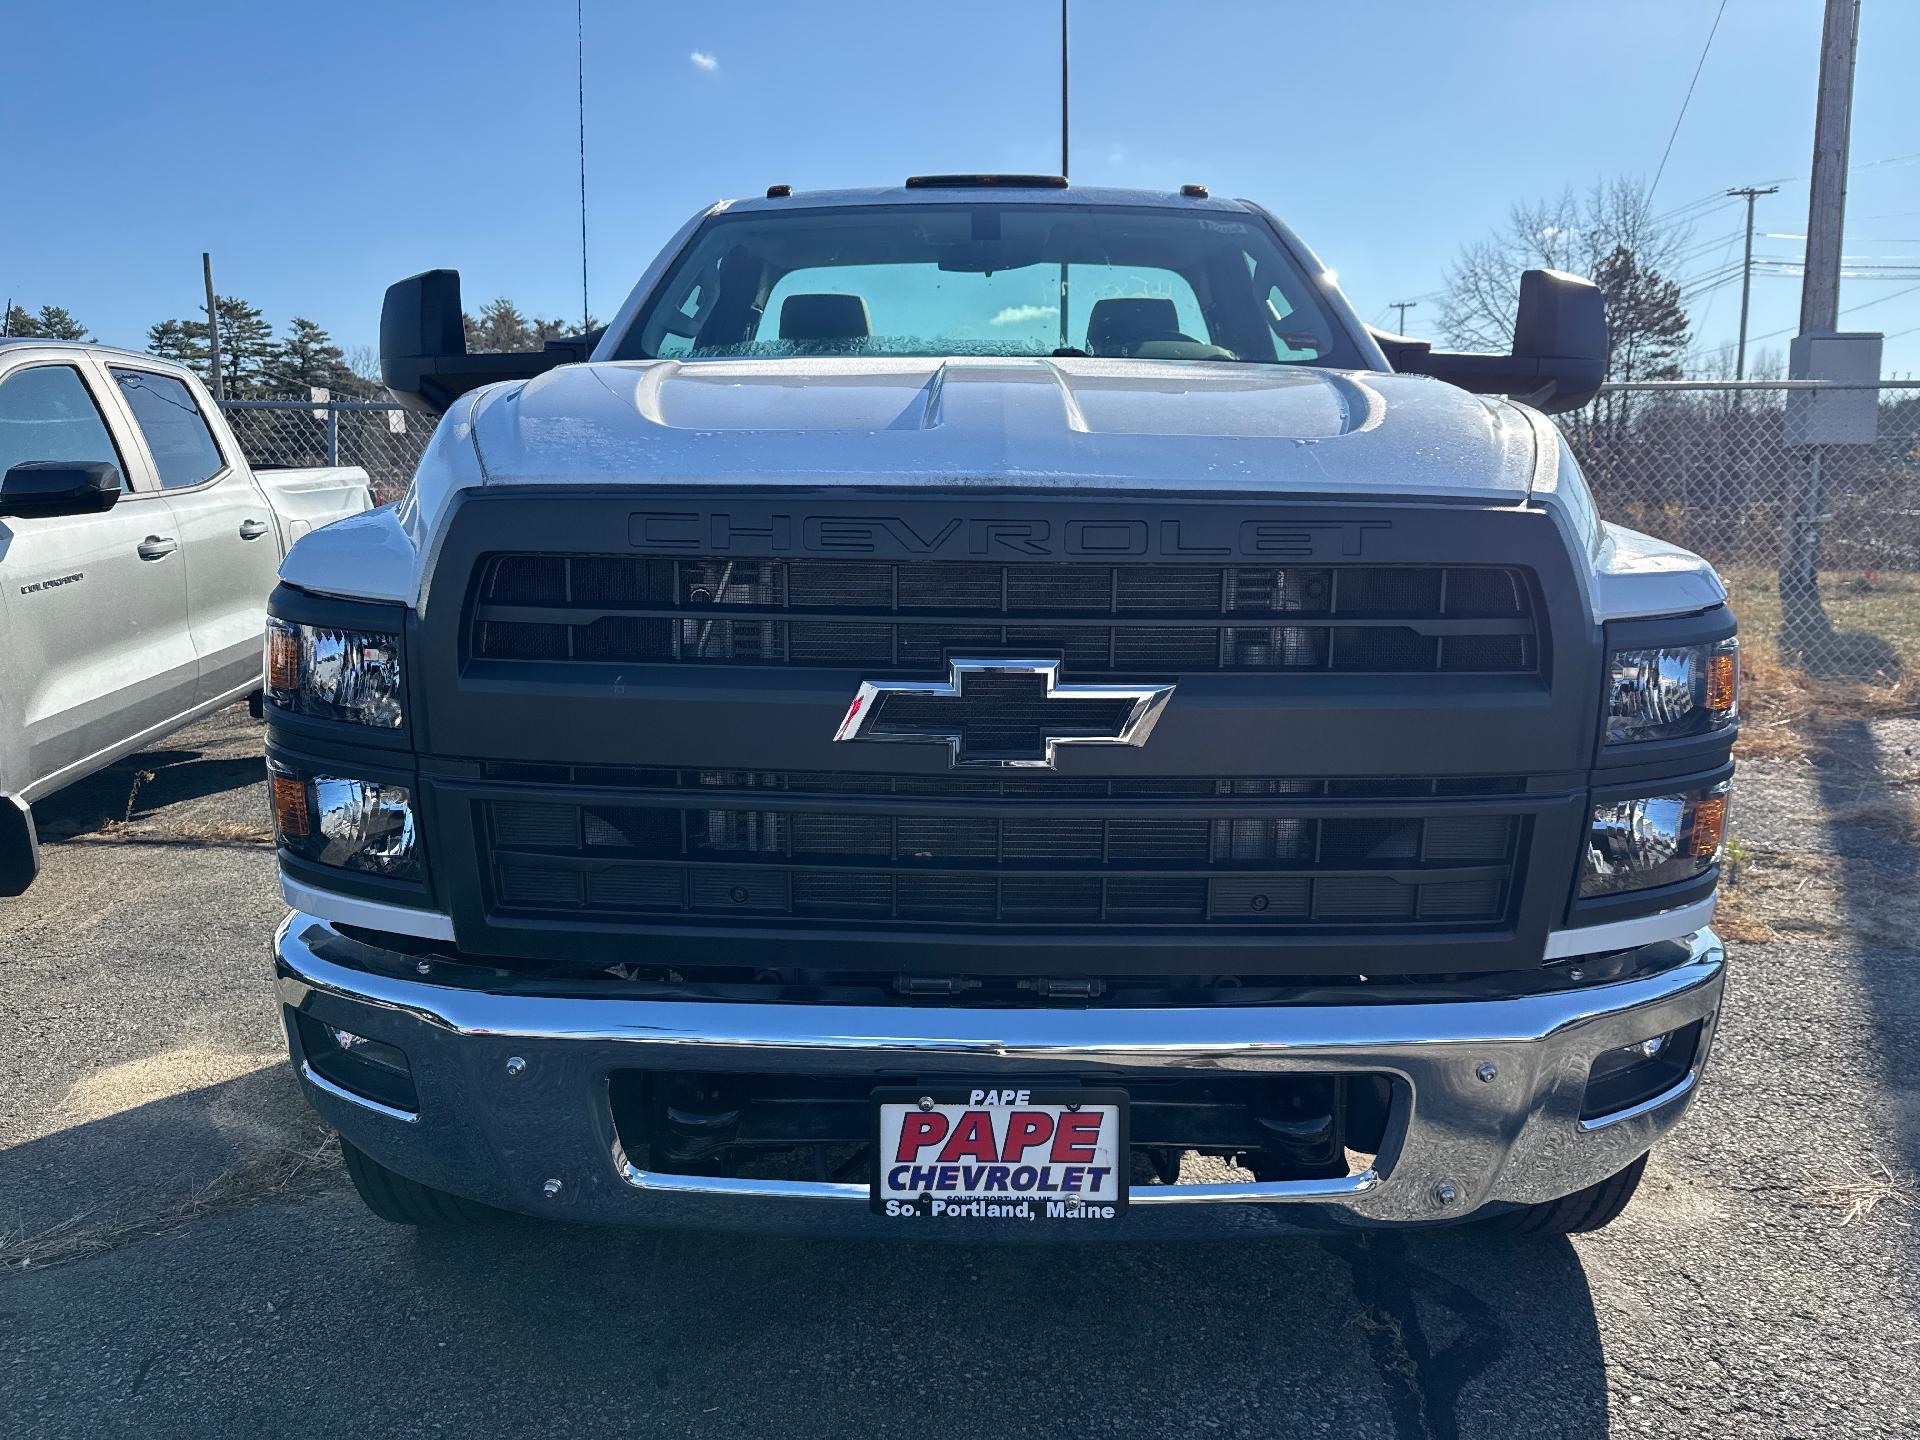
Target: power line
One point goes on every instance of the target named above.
(1688, 100)
(1863, 305)
(1400, 327)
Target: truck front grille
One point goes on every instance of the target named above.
(1193, 853)
(911, 615)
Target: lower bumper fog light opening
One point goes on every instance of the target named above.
(1636, 1073)
(369, 1068)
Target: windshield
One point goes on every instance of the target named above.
(989, 279)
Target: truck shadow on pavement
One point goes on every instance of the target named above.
(1375, 1333)
(135, 788)
(214, 1205)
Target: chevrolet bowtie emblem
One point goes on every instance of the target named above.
(1003, 713)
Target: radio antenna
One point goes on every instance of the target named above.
(580, 88)
(1063, 161)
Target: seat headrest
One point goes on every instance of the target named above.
(824, 317)
(1115, 326)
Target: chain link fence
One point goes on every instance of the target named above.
(1820, 545)
(378, 436)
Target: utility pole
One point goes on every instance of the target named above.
(1750, 193)
(1804, 619)
(213, 328)
(1400, 327)
(1827, 200)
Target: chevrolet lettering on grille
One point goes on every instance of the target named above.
(1003, 713)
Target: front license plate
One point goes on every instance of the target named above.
(1000, 1155)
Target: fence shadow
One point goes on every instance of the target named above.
(1850, 768)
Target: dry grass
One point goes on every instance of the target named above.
(163, 831)
(295, 1170)
(1737, 918)
(1781, 704)
(1865, 1188)
(1773, 895)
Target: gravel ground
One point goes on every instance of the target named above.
(181, 1255)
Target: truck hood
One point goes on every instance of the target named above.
(1034, 423)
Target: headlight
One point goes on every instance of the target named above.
(1654, 840)
(353, 824)
(1670, 691)
(332, 674)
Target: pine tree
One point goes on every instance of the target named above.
(175, 340)
(1646, 333)
(308, 358)
(56, 324)
(246, 348)
(1646, 328)
(500, 328)
(52, 323)
(247, 351)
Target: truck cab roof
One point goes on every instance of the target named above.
(950, 192)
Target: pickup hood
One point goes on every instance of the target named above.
(1141, 425)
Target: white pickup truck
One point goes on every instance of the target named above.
(137, 550)
(991, 705)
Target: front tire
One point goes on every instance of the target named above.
(1576, 1214)
(401, 1201)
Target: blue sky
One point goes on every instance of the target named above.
(322, 152)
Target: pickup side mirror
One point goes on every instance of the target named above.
(59, 487)
(423, 346)
(1559, 356)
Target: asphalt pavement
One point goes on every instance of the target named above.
(180, 1253)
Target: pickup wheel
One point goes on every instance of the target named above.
(401, 1201)
(1574, 1214)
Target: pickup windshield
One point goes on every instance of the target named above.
(989, 279)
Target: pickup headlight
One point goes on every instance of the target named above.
(334, 674)
(1652, 840)
(362, 825)
(1670, 691)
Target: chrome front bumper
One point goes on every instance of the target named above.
(1487, 1110)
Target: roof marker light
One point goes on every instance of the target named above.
(986, 182)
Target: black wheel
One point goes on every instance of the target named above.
(401, 1201)
(1575, 1214)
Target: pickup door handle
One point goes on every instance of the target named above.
(252, 529)
(157, 547)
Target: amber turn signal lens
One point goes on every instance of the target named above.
(1709, 823)
(290, 813)
(283, 658)
(1723, 681)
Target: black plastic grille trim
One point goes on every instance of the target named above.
(911, 616)
(803, 782)
(1264, 871)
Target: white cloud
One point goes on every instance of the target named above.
(1024, 314)
(705, 60)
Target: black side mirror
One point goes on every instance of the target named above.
(59, 487)
(1559, 357)
(423, 346)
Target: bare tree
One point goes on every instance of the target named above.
(1567, 232)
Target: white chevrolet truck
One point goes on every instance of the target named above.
(996, 709)
(137, 551)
